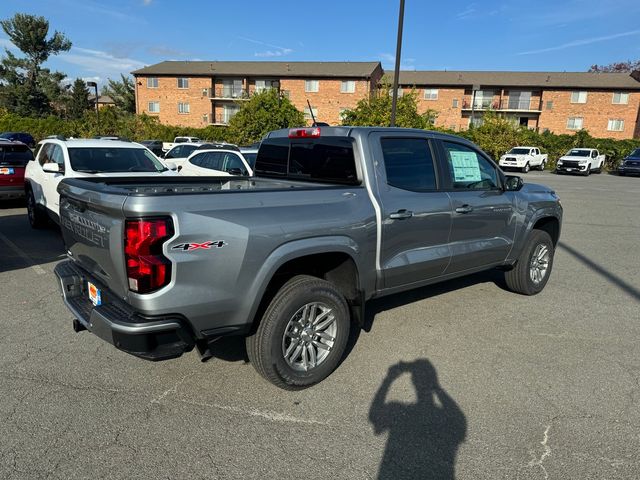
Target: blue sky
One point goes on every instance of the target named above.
(116, 36)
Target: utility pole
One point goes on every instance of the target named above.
(396, 75)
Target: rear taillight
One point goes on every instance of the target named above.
(304, 132)
(147, 268)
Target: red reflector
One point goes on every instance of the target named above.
(304, 132)
(147, 268)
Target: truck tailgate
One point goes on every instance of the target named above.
(92, 228)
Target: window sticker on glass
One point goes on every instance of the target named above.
(465, 165)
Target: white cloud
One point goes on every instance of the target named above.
(274, 50)
(467, 12)
(579, 43)
(274, 53)
(97, 63)
(146, 2)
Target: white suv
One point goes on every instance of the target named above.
(58, 158)
(215, 162)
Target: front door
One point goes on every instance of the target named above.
(53, 154)
(484, 222)
(416, 213)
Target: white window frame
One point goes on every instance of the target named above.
(152, 82)
(571, 123)
(348, 86)
(151, 110)
(307, 113)
(455, 103)
(185, 80)
(431, 94)
(579, 96)
(265, 84)
(615, 122)
(621, 96)
(400, 92)
(228, 112)
(184, 108)
(312, 86)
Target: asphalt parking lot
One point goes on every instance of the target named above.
(461, 379)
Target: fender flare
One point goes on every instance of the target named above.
(297, 249)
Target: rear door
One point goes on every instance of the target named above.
(416, 213)
(483, 226)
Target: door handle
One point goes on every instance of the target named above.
(401, 215)
(464, 209)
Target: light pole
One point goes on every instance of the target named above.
(95, 85)
(396, 75)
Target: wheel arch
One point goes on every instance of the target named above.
(337, 264)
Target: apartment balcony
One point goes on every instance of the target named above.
(480, 104)
(222, 119)
(504, 105)
(227, 93)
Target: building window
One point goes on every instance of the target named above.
(183, 82)
(311, 86)
(550, 105)
(578, 97)
(483, 99)
(307, 113)
(154, 107)
(400, 92)
(348, 86)
(228, 112)
(430, 93)
(454, 104)
(615, 125)
(264, 85)
(574, 123)
(620, 98)
(519, 100)
(152, 82)
(205, 118)
(183, 107)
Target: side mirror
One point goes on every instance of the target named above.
(234, 171)
(51, 167)
(171, 165)
(513, 183)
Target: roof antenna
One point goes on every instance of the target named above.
(313, 117)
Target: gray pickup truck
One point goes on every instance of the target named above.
(335, 216)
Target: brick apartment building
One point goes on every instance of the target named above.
(197, 94)
(605, 104)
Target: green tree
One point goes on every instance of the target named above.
(123, 93)
(375, 111)
(78, 102)
(266, 111)
(24, 84)
(496, 135)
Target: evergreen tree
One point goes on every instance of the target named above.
(78, 102)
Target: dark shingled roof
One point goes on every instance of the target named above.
(262, 69)
(623, 81)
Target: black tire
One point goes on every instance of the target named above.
(37, 218)
(588, 171)
(526, 168)
(599, 170)
(621, 174)
(518, 279)
(265, 347)
(542, 166)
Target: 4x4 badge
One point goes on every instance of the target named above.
(197, 246)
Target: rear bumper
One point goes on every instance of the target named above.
(151, 338)
(12, 191)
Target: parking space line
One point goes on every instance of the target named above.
(36, 268)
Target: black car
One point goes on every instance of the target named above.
(630, 164)
(154, 145)
(23, 137)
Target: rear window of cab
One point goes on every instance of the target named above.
(325, 159)
(15, 155)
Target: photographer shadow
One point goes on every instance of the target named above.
(423, 436)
